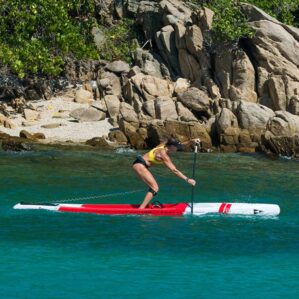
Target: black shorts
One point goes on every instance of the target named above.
(140, 160)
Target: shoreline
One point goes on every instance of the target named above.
(51, 118)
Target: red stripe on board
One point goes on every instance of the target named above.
(120, 209)
(227, 208)
(221, 208)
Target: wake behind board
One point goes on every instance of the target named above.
(177, 209)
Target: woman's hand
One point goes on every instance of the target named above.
(196, 141)
(191, 182)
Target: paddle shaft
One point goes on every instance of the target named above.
(193, 175)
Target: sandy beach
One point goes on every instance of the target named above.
(54, 114)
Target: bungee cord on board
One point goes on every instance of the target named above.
(95, 196)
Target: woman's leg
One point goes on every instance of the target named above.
(148, 179)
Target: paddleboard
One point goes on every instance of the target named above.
(176, 209)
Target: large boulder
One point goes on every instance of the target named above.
(83, 96)
(7, 123)
(286, 46)
(235, 74)
(189, 66)
(149, 15)
(128, 113)
(16, 145)
(118, 136)
(181, 85)
(109, 84)
(87, 114)
(177, 9)
(277, 92)
(149, 108)
(204, 18)
(185, 131)
(281, 145)
(184, 113)
(194, 40)
(225, 119)
(148, 87)
(230, 136)
(135, 135)
(196, 99)
(275, 50)
(253, 116)
(147, 63)
(31, 115)
(223, 70)
(137, 140)
(158, 132)
(156, 87)
(36, 136)
(254, 13)
(118, 67)
(165, 109)
(113, 105)
(100, 105)
(165, 40)
(243, 78)
(294, 105)
(227, 129)
(283, 124)
(132, 7)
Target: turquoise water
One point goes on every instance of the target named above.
(63, 255)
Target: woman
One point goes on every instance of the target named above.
(158, 155)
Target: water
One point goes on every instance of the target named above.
(63, 255)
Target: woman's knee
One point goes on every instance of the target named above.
(155, 188)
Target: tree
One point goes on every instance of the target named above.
(36, 35)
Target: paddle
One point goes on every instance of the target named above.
(197, 144)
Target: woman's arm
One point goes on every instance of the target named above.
(194, 141)
(167, 161)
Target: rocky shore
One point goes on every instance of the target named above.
(242, 99)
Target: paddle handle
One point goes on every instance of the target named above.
(197, 144)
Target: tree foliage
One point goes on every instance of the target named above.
(120, 41)
(230, 24)
(282, 10)
(36, 35)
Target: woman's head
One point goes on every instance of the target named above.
(173, 144)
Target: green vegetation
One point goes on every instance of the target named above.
(36, 35)
(120, 41)
(230, 24)
(282, 10)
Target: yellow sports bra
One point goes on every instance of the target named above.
(151, 155)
